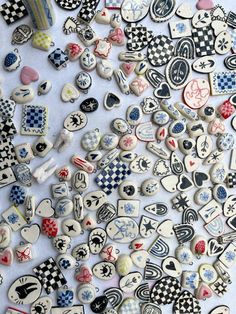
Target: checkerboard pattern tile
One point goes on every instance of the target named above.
(12, 11)
(231, 180)
(50, 275)
(34, 120)
(112, 175)
(7, 107)
(223, 82)
(7, 128)
(58, 58)
(68, 4)
(88, 10)
(165, 290)
(204, 41)
(7, 154)
(138, 37)
(160, 50)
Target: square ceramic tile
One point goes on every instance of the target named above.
(7, 154)
(34, 120)
(14, 218)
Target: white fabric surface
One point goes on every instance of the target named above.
(100, 119)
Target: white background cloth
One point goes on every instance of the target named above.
(99, 119)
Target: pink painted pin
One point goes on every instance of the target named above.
(196, 93)
(205, 5)
(28, 75)
(128, 67)
(6, 256)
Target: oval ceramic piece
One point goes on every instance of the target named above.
(28, 75)
(177, 128)
(222, 309)
(104, 270)
(225, 141)
(25, 290)
(128, 189)
(165, 228)
(230, 62)
(128, 142)
(88, 60)
(214, 157)
(195, 128)
(169, 183)
(203, 196)
(207, 113)
(69, 93)
(171, 266)
(220, 193)
(99, 304)
(30, 233)
(134, 279)
(150, 187)
(120, 126)
(161, 117)
(207, 273)
(127, 156)
(129, 303)
(89, 105)
(145, 132)
(61, 243)
(186, 145)
(82, 164)
(171, 143)
(5, 232)
(66, 261)
(229, 207)
(218, 172)
(165, 285)
(201, 18)
(159, 15)
(196, 93)
(42, 304)
(44, 208)
(126, 234)
(124, 264)
(44, 87)
(204, 146)
(83, 81)
(63, 207)
(134, 115)
(206, 64)
(141, 67)
(21, 34)
(86, 293)
(94, 155)
(150, 308)
(105, 69)
(199, 245)
(134, 11)
(141, 164)
(161, 133)
(223, 43)
(184, 255)
(81, 252)
(122, 81)
(90, 140)
(80, 181)
(139, 258)
(173, 68)
(22, 94)
(76, 120)
(12, 60)
(109, 141)
(97, 240)
(71, 227)
(94, 200)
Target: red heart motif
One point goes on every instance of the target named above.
(138, 245)
(103, 13)
(6, 257)
(84, 275)
(28, 75)
(128, 67)
(191, 163)
(172, 142)
(205, 293)
(88, 223)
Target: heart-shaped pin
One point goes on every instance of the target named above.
(184, 11)
(111, 101)
(117, 36)
(205, 5)
(127, 67)
(31, 233)
(139, 258)
(71, 25)
(199, 178)
(214, 248)
(103, 16)
(88, 222)
(163, 91)
(185, 183)
(6, 256)
(69, 93)
(28, 75)
(84, 275)
(203, 291)
(45, 209)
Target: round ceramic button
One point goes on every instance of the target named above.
(207, 273)
(90, 140)
(66, 261)
(44, 87)
(128, 142)
(109, 141)
(184, 255)
(128, 189)
(220, 193)
(104, 270)
(86, 293)
(161, 117)
(64, 207)
(71, 227)
(124, 264)
(218, 172)
(134, 115)
(177, 128)
(150, 187)
(203, 196)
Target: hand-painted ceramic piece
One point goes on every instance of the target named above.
(171, 266)
(134, 11)
(223, 43)
(31, 233)
(12, 60)
(90, 140)
(165, 290)
(133, 278)
(65, 261)
(86, 293)
(196, 93)
(22, 94)
(190, 279)
(126, 234)
(178, 72)
(44, 303)
(141, 164)
(69, 93)
(160, 14)
(184, 255)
